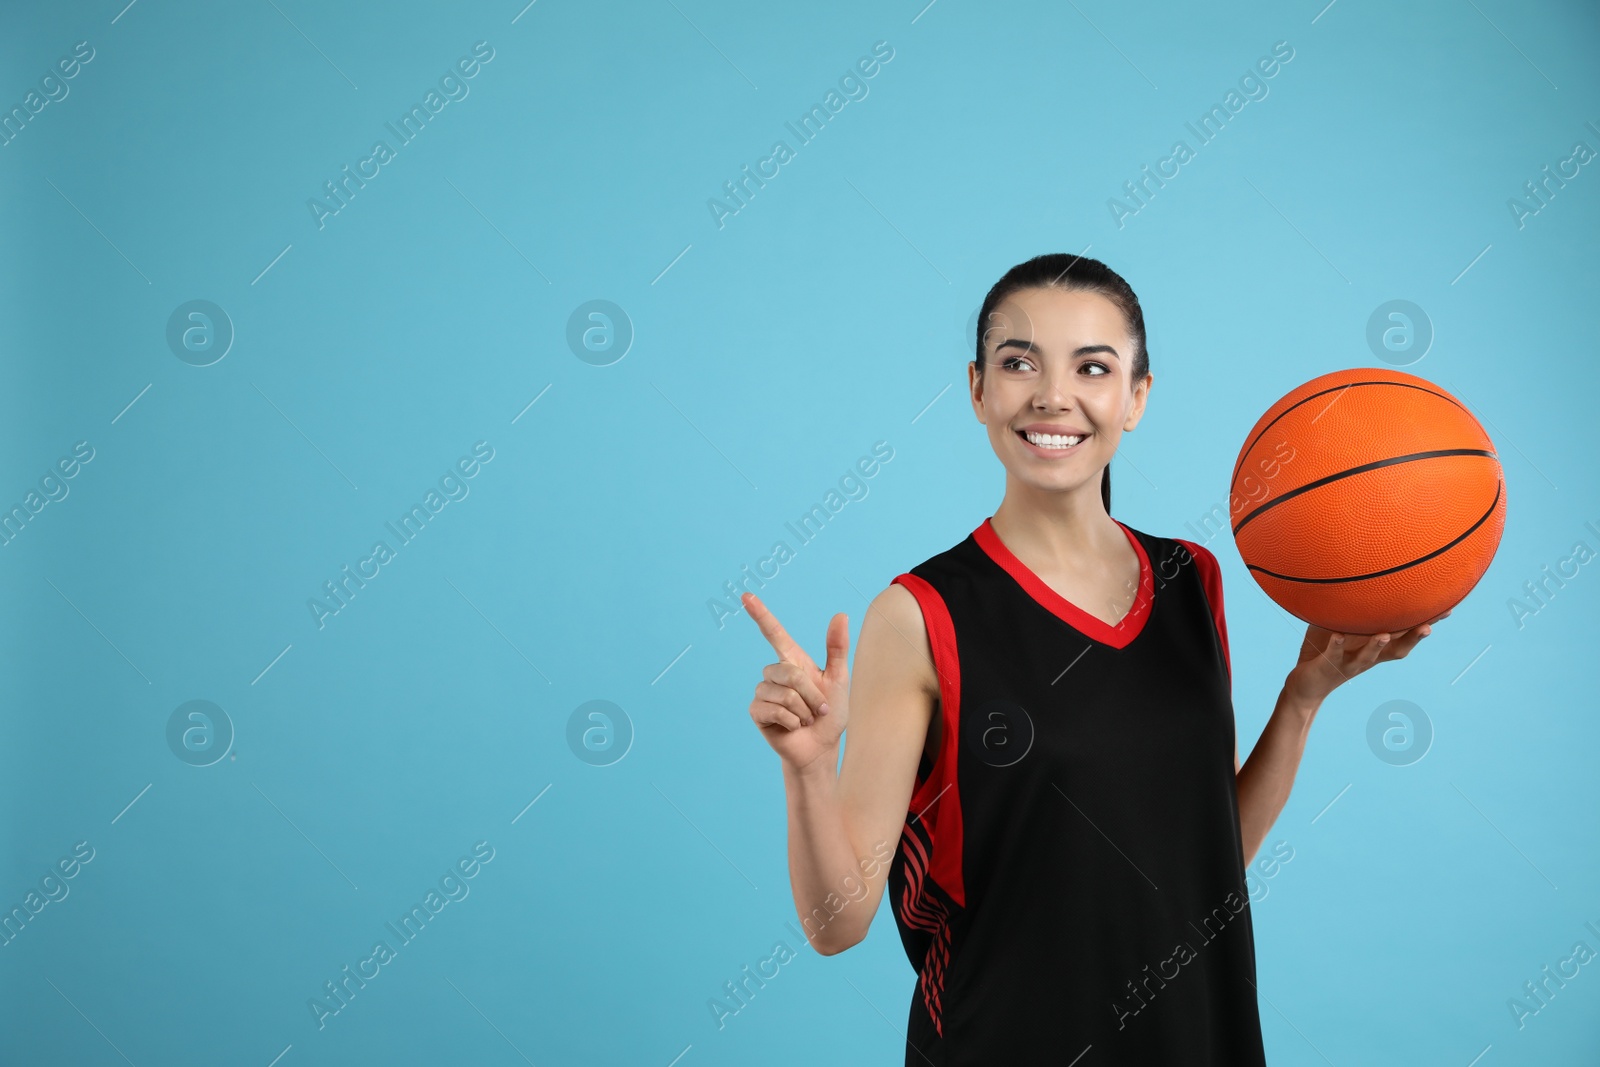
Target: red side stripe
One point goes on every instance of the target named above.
(1211, 579)
(910, 904)
(936, 804)
(915, 906)
(938, 801)
(933, 977)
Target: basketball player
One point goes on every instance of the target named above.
(1043, 726)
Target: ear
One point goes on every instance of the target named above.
(1141, 393)
(975, 388)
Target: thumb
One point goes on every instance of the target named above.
(838, 647)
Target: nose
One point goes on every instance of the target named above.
(1053, 391)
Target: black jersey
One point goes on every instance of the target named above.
(1069, 883)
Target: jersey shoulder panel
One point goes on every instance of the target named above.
(1210, 574)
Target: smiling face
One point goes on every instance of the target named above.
(1057, 363)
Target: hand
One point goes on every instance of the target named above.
(802, 711)
(1328, 659)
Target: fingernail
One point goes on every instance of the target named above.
(823, 710)
(1384, 640)
(1338, 639)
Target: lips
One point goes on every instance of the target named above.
(1045, 427)
(1051, 453)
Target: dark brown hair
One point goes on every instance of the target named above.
(1075, 274)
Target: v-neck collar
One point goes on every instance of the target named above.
(1117, 636)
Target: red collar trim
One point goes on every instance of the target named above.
(1117, 636)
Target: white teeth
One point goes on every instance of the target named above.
(1051, 440)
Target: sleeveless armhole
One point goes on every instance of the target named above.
(936, 801)
(1211, 581)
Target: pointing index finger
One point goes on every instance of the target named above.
(786, 647)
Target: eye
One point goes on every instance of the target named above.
(1023, 363)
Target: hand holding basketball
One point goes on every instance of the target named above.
(802, 711)
(1329, 659)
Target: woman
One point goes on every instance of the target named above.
(1043, 726)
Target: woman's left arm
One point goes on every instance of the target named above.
(1327, 660)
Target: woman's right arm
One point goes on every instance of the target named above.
(845, 823)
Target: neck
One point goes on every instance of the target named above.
(1056, 527)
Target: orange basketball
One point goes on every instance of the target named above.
(1367, 501)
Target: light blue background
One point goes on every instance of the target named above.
(774, 352)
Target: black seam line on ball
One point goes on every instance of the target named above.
(1325, 392)
(1388, 570)
(1362, 469)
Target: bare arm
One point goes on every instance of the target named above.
(1327, 660)
(845, 824)
(1265, 781)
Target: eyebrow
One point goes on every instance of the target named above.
(1029, 346)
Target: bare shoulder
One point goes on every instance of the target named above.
(894, 639)
(894, 692)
